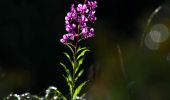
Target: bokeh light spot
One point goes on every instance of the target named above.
(150, 43)
(159, 33)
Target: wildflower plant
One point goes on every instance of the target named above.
(77, 26)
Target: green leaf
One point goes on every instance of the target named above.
(79, 49)
(70, 46)
(66, 78)
(78, 89)
(79, 64)
(65, 68)
(67, 55)
(61, 95)
(69, 58)
(67, 71)
(82, 53)
(69, 83)
(79, 74)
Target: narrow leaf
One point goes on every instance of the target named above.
(70, 87)
(79, 74)
(79, 63)
(69, 58)
(65, 68)
(66, 78)
(69, 83)
(82, 53)
(79, 49)
(61, 95)
(78, 89)
(67, 71)
(70, 46)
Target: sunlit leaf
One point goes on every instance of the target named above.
(68, 78)
(80, 61)
(67, 71)
(61, 95)
(79, 49)
(79, 74)
(70, 88)
(82, 53)
(70, 46)
(78, 89)
(69, 83)
(65, 68)
(68, 56)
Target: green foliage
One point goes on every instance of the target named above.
(69, 83)
(71, 76)
(79, 74)
(76, 61)
(70, 46)
(80, 49)
(80, 62)
(68, 56)
(66, 70)
(82, 53)
(78, 89)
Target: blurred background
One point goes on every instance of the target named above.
(129, 58)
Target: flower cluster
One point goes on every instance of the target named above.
(76, 21)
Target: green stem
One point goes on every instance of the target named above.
(75, 66)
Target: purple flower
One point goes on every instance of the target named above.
(92, 16)
(73, 12)
(84, 30)
(62, 41)
(67, 37)
(82, 8)
(72, 15)
(70, 28)
(77, 20)
(91, 32)
(92, 5)
(86, 33)
(82, 20)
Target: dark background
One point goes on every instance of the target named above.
(30, 30)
